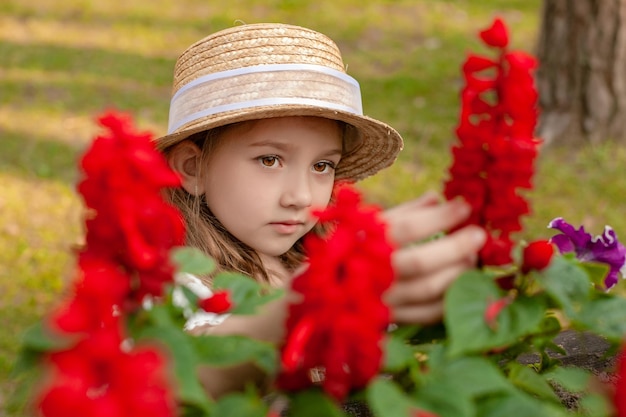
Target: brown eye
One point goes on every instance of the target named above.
(323, 166)
(268, 161)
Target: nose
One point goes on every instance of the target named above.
(296, 190)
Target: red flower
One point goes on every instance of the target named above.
(496, 35)
(475, 63)
(497, 250)
(493, 311)
(299, 337)
(537, 256)
(497, 149)
(218, 303)
(131, 224)
(337, 328)
(96, 377)
(100, 288)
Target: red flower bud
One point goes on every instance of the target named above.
(537, 255)
(218, 303)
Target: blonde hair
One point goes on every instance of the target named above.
(206, 232)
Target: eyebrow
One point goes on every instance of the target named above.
(278, 145)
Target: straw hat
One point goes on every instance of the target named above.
(264, 70)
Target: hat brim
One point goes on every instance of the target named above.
(377, 145)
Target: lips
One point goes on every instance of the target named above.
(289, 222)
(287, 226)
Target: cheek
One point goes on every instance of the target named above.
(323, 193)
(234, 188)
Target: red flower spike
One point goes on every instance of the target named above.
(537, 256)
(130, 231)
(341, 289)
(496, 35)
(496, 150)
(218, 303)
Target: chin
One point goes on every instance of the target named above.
(275, 252)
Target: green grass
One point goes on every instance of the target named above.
(64, 62)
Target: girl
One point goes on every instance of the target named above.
(263, 121)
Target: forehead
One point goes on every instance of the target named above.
(317, 131)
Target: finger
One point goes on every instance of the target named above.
(419, 314)
(426, 258)
(425, 289)
(406, 226)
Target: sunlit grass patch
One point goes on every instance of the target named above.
(39, 227)
(585, 185)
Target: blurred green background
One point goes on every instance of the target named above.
(62, 62)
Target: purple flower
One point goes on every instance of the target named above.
(604, 248)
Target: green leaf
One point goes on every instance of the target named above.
(192, 260)
(530, 381)
(235, 349)
(596, 271)
(240, 405)
(386, 399)
(445, 400)
(397, 354)
(40, 339)
(313, 403)
(571, 379)
(162, 315)
(519, 404)
(185, 361)
(37, 340)
(567, 283)
(472, 376)
(596, 405)
(406, 331)
(246, 293)
(465, 305)
(604, 315)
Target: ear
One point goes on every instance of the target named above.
(185, 159)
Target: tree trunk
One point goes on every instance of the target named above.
(582, 73)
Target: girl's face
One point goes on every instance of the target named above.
(264, 177)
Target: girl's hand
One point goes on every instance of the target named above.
(424, 271)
